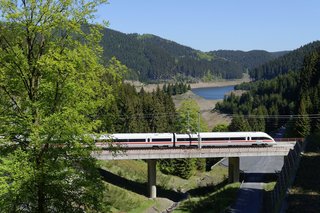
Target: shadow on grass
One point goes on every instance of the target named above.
(303, 203)
(217, 202)
(313, 144)
(259, 177)
(201, 191)
(139, 188)
(309, 169)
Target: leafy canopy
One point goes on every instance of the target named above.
(50, 89)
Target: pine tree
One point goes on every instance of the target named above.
(302, 124)
(184, 167)
(239, 123)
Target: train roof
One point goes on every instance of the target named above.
(234, 134)
(134, 135)
(193, 135)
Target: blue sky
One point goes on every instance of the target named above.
(271, 25)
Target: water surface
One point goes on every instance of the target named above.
(213, 93)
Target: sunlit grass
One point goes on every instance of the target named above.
(136, 170)
(269, 186)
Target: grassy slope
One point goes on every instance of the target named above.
(212, 202)
(304, 196)
(132, 175)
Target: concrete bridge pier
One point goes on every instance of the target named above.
(234, 169)
(152, 172)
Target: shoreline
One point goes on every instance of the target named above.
(214, 84)
(222, 83)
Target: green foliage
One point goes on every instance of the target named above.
(189, 118)
(184, 167)
(257, 121)
(294, 93)
(208, 77)
(200, 164)
(50, 90)
(153, 58)
(263, 101)
(133, 111)
(239, 124)
(205, 56)
(220, 128)
(292, 61)
(176, 89)
(302, 124)
(166, 166)
(124, 201)
(249, 60)
(214, 202)
(21, 174)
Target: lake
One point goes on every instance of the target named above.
(213, 93)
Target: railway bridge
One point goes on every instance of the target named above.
(282, 148)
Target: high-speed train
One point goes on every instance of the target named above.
(203, 139)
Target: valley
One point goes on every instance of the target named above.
(69, 83)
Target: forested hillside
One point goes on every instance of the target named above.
(151, 58)
(291, 99)
(133, 111)
(250, 59)
(292, 61)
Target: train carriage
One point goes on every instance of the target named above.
(206, 139)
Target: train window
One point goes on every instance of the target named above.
(130, 140)
(137, 140)
(183, 139)
(237, 139)
(215, 139)
(260, 138)
(187, 139)
(120, 140)
(160, 139)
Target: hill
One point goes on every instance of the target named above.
(250, 59)
(267, 103)
(152, 58)
(293, 61)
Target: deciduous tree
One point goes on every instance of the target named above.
(50, 88)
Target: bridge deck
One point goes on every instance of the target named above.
(280, 149)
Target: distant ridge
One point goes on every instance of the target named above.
(250, 59)
(151, 58)
(292, 61)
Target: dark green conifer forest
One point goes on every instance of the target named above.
(152, 59)
(292, 61)
(290, 100)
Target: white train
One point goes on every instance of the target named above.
(206, 139)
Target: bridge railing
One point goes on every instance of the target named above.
(274, 198)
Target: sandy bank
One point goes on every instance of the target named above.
(220, 83)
